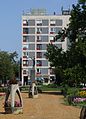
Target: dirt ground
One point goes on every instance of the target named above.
(46, 106)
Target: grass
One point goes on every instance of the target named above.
(49, 87)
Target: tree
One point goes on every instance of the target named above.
(57, 59)
(82, 1)
(72, 62)
(15, 63)
(8, 67)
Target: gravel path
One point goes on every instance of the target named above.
(46, 106)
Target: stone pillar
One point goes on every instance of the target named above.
(32, 75)
(33, 93)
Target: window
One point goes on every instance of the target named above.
(44, 38)
(31, 54)
(45, 22)
(31, 30)
(45, 30)
(24, 39)
(31, 46)
(31, 22)
(44, 46)
(59, 22)
(44, 63)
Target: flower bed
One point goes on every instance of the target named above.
(78, 100)
(76, 97)
(81, 100)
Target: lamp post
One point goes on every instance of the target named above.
(33, 88)
(32, 72)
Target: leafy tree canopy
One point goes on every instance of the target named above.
(8, 65)
(75, 57)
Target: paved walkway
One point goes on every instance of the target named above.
(46, 106)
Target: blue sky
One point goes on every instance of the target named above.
(10, 19)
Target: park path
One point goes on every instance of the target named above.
(46, 106)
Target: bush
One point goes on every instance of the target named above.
(75, 96)
(70, 99)
(24, 88)
(3, 89)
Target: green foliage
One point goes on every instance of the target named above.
(75, 96)
(70, 66)
(82, 1)
(3, 89)
(50, 87)
(8, 66)
(24, 88)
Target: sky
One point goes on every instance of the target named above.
(10, 19)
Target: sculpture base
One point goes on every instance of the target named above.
(33, 96)
(13, 110)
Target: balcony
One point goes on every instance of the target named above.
(38, 64)
(24, 48)
(52, 32)
(24, 56)
(39, 24)
(38, 32)
(25, 65)
(25, 24)
(52, 24)
(39, 56)
(24, 40)
(24, 72)
(25, 32)
(38, 74)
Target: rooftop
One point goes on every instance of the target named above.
(42, 12)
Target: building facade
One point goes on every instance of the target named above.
(38, 30)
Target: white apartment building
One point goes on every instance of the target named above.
(38, 30)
